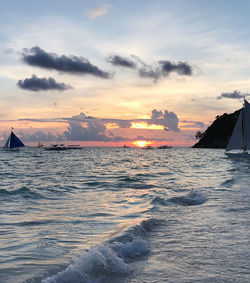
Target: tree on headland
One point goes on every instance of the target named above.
(199, 135)
(218, 133)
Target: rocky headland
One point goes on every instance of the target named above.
(217, 135)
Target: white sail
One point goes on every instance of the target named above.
(240, 138)
(7, 144)
(247, 125)
(236, 140)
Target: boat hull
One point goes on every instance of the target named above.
(238, 155)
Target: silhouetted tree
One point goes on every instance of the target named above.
(199, 135)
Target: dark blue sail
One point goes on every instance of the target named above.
(13, 142)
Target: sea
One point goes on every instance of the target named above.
(124, 215)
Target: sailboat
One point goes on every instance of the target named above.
(239, 141)
(40, 144)
(13, 142)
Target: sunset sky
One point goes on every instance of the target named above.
(113, 72)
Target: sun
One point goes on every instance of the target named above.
(142, 143)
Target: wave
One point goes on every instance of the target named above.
(23, 192)
(128, 179)
(238, 210)
(192, 198)
(110, 259)
(92, 266)
(228, 182)
(142, 186)
(35, 222)
(159, 200)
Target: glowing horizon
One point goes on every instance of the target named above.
(142, 143)
(115, 86)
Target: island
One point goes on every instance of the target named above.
(218, 133)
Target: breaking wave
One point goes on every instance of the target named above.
(110, 259)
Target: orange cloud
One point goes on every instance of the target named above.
(110, 126)
(146, 126)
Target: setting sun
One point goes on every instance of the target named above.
(142, 143)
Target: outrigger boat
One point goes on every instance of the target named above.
(56, 147)
(62, 147)
(13, 142)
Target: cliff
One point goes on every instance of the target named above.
(217, 135)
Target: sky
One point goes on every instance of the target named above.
(108, 73)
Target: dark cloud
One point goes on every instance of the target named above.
(162, 68)
(41, 84)
(95, 129)
(180, 68)
(149, 72)
(233, 95)
(162, 118)
(40, 136)
(156, 114)
(43, 120)
(85, 128)
(192, 124)
(88, 128)
(199, 124)
(167, 119)
(81, 128)
(117, 60)
(69, 64)
(121, 123)
(150, 138)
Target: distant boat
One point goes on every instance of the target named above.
(147, 147)
(239, 141)
(164, 147)
(74, 146)
(40, 144)
(63, 147)
(56, 147)
(13, 142)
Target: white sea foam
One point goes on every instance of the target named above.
(110, 258)
(132, 249)
(92, 266)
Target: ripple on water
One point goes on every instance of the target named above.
(192, 198)
(58, 206)
(23, 192)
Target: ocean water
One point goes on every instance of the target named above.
(124, 215)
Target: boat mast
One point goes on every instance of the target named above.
(244, 146)
(10, 136)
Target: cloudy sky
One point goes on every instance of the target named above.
(113, 72)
